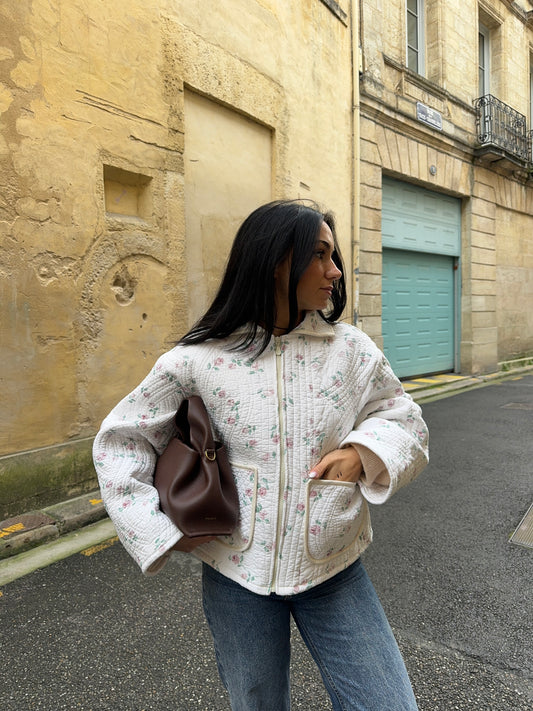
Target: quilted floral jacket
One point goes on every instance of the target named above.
(313, 390)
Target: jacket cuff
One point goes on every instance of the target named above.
(154, 564)
(375, 481)
(157, 564)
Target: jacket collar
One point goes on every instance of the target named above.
(314, 325)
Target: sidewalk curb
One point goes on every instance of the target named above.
(426, 393)
(23, 532)
(47, 553)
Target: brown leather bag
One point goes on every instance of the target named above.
(194, 479)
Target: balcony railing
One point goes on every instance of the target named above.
(501, 126)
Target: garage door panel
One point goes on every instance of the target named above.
(419, 219)
(418, 311)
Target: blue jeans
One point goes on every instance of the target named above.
(341, 622)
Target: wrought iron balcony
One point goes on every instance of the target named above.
(502, 131)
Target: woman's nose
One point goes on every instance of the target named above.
(333, 272)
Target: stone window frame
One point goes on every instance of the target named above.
(418, 12)
(491, 23)
(434, 59)
(484, 60)
(531, 92)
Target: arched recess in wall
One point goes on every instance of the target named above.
(124, 317)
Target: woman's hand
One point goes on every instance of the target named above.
(186, 545)
(339, 465)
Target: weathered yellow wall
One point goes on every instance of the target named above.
(75, 80)
(219, 142)
(98, 213)
(497, 199)
(514, 283)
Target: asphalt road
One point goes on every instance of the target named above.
(91, 633)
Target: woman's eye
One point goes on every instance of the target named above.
(320, 253)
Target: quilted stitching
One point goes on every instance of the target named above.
(337, 389)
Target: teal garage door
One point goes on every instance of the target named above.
(421, 237)
(418, 312)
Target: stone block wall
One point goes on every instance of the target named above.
(117, 208)
(496, 300)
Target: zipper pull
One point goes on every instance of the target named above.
(277, 342)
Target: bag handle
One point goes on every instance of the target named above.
(194, 427)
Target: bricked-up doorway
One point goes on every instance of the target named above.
(228, 173)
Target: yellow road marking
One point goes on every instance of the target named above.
(100, 546)
(449, 377)
(11, 529)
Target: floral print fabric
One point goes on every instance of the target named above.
(328, 386)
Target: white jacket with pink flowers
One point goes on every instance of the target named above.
(313, 390)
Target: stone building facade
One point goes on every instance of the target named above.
(134, 137)
(446, 240)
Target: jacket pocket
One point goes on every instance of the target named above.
(246, 482)
(333, 517)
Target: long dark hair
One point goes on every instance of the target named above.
(246, 296)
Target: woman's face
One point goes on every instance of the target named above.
(316, 283)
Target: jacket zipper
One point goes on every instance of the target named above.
(279, 374)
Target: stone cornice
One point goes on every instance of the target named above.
(428, 85)
(405, 124)
(522, 14)
(336, 9)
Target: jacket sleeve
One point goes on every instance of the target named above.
(125, 450)
(389, 434)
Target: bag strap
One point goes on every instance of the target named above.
(194, 427)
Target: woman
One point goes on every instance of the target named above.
(316, 425)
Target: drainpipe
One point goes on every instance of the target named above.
(355, 148)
